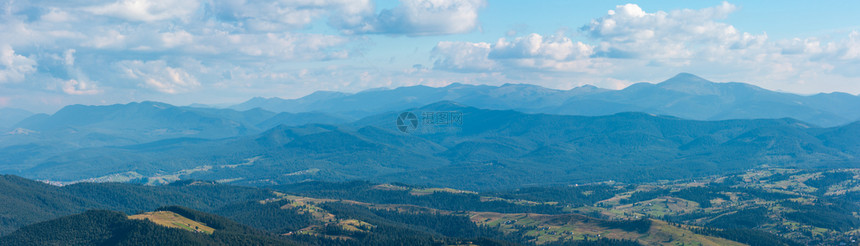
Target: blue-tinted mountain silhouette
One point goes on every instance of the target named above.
(685, 95)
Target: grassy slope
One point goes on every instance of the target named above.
(173, 220)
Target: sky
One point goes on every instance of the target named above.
(219, 52)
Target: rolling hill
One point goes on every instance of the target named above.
(26, 201)
(363, 213)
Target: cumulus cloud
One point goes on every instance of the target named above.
(14, 67)
(421, 17)
(848, 49)
(555, 47)
(630, 32)
(533, 51)
(157, 75)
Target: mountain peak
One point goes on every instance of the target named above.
(455, 84)
(689, 83)
(686, 77)
(259, 99)
(587, 89)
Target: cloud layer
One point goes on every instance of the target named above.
(142, 47)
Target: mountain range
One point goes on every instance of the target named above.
(518, 135)
(488, 149)
(78, 126)
(685, 95)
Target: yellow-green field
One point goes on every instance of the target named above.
(173, 220)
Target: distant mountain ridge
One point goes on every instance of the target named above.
(684, 95)
(11, 116)
(509, 96)
(141, 122)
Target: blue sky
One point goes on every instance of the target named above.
(54, 53)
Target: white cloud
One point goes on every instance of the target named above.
(69, 57)
(147, 10)
(177, 38)
(289, 14)
(14, 67)
(463, 56)
(533, 51)
(57, 15)
(157, 75)
(75, 87)
(109, 39)
(848, 49)
(630, 32)
(555, 47)
(286, 46)
(419, 18)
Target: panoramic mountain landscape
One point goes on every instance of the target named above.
(429, 122)
(485, 149)
(501, 174)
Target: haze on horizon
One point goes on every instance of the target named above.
(55, 53)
